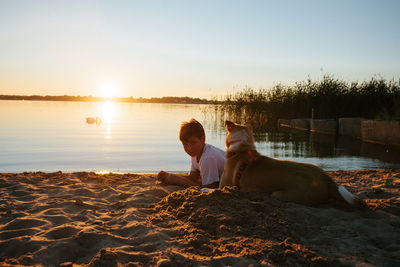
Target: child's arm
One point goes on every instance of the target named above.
(180, 179)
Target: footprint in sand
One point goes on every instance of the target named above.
(17, 233)
(21, 223)
(62, 232)
(19, 193)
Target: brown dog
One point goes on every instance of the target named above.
(285, 180)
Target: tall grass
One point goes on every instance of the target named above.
(329, 98)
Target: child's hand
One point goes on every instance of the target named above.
(162, 176)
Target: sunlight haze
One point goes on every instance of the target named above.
(191, 48)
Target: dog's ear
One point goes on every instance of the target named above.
(229, 125)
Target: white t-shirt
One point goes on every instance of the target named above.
(211, 164)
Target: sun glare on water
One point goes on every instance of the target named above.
(106, 111)
(107, 90)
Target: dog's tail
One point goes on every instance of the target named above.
(351, 199)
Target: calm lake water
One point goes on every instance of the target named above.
(51, 136)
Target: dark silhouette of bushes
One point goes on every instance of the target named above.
(329, 98)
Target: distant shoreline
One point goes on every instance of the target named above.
(166, 99)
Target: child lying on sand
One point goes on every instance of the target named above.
(207, 161)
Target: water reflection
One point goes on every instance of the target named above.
(286, 143)
(108, 113)
(299, 144)
(143, 138)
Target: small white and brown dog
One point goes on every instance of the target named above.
(285, 180)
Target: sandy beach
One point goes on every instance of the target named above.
(88, 219)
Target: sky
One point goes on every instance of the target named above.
(195, 48)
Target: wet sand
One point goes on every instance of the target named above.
(73, 219)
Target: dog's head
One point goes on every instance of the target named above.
(238, 136)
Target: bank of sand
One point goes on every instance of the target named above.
(105, 220)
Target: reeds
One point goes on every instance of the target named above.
(328, 98)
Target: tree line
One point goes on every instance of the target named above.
(166, 99)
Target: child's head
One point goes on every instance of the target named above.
(189, 129)
(192, 136)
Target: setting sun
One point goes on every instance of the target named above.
(107, 90)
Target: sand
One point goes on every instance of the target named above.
(73, 219)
